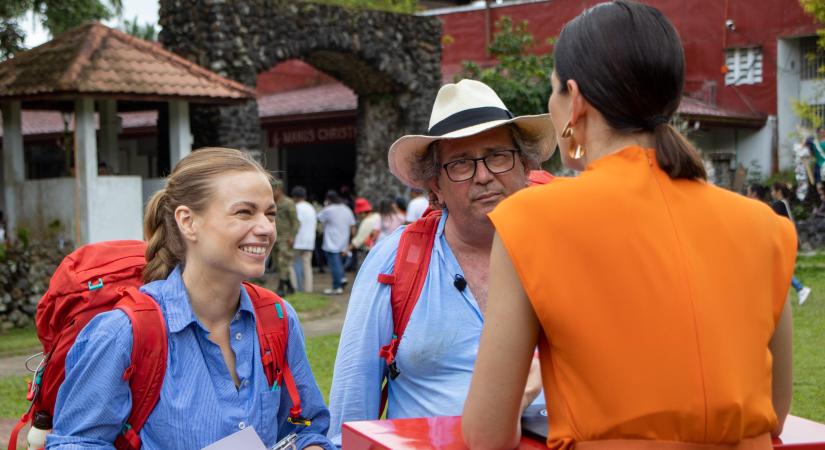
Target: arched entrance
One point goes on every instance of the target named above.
(391, 61)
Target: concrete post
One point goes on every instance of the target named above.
(180, 135)
(85, 145)
(13, 167)
(109, 125)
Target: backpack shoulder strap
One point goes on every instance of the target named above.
(412, 261)
(272, 325)
(539, 177)
(149, 352)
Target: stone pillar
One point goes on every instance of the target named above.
(378, 127)
(13, 167)
(236, 126)
(85, 160)
(109, 128)
(180, 135)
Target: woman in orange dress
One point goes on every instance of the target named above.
(657, 300)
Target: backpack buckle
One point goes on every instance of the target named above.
(394, 372)
(96, 286)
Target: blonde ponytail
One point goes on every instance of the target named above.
(158, 234)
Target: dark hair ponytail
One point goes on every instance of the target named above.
(676, 155)
(629, 64)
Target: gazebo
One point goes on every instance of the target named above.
(93, 72)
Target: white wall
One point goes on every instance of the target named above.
(788, 60)
(116, 211)
(755, 146)
(43, 201)
(150, 186)
(749, 145)
(790, 88)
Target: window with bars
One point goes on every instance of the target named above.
(744, 66)
(813, 58)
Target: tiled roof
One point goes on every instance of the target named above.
(317, 99)
(699, 110)
(96, 59)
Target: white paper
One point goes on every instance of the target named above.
(246, 439)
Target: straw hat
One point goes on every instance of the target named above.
(464, 109)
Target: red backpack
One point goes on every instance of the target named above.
(412, 262)
(100, 277)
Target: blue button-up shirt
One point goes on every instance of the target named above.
(437, 351)
(199, 403)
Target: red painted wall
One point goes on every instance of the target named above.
(700, 23)
(290, 75)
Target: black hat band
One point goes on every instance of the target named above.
(468, 118)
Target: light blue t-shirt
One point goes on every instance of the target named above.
(338, 220)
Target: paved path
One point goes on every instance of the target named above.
(15, 365)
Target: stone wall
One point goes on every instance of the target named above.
(25, 272)
(391, 61)
(811, 234)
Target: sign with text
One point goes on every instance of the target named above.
(318, 134)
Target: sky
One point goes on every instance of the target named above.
(145, 10)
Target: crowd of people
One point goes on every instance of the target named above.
(346, 229)
(646, 307)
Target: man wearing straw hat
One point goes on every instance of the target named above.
(474, 155)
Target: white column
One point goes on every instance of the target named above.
(109, 152)
(180, 136)
(13, 166)
(85, 145)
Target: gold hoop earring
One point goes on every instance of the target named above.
(576, 151)
(567, 133)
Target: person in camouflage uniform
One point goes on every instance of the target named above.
(286, 224)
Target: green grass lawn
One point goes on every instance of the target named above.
(321, 354)
(305, 302)
(809, 342)
(12, 399)
(19, 341)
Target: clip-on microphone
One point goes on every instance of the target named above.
(459, 282)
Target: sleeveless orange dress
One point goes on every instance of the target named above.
(657, 299)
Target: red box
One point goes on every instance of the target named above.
(444, 433)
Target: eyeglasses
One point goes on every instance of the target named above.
(465, 168)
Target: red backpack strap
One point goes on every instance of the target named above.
(539, 177)
(407, 280)
(272, 324)
(149, 352)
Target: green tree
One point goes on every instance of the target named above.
(816, 9)
(146, 31)
(56, 16)
(521, 78)
(397, 6)
(11, 36)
